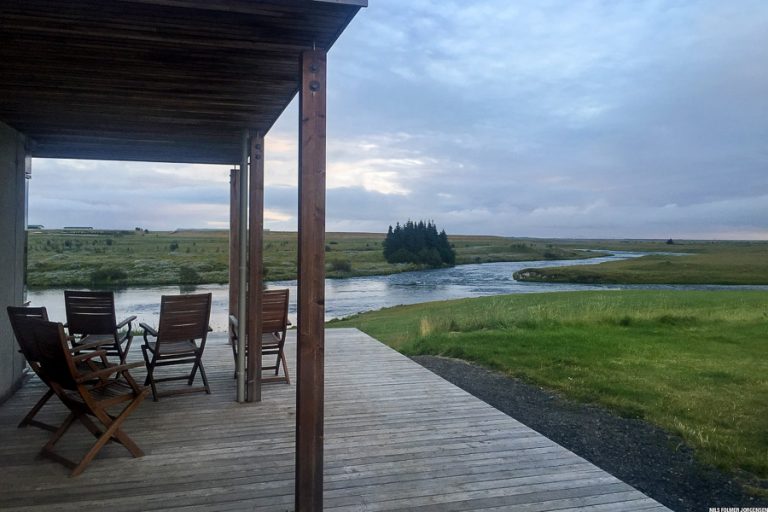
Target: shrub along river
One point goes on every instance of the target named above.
(352, 295)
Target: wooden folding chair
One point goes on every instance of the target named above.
(179, 339)
(87, 394)
(91, 318)
(274, 327)
(17, 315)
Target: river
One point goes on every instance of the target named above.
(352, 295)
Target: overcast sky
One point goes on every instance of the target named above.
(559, 118)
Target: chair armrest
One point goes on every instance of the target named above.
(148, 329)
(90, 355)
(288, 323)
(125, 322)
(106, 372)
(86, 346)
(233, 321)
(210, 329)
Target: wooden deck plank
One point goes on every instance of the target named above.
(397, 437)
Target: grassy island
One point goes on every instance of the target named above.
(694, 262)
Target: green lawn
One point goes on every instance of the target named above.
(693, 363)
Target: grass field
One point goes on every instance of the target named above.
(98, 258)
(693, 363)
(718, 262)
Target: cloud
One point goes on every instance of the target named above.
(535, 118)
(127, 194)
(558, 107)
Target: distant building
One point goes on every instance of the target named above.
(78, 228)
(35, 226)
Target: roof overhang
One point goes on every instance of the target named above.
(155, 80)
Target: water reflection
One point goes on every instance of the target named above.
(345, 297)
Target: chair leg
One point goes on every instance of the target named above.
(192, 374)
(234, 351)
(97, 433)
(285, 368)
(281, 361)
(124, 352)
(113, 427)
(119, 435)
(150, 379)
(60, 431)
(146, 363)
(111, 432)
(91, 426)
(126, 441)
(28, 419)
(47, 449)
(150, 371)
(202, 374)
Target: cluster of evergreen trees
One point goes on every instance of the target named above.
(418, 242)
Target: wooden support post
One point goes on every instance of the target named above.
(311, 293)
(242, 275)
(255, 267)
(234, 238)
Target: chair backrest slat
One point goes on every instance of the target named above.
(184, 317)
(22, 330)
(274, 310)
(90, 312)
(44, 344)
(26, 311)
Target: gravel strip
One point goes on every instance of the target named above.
(653, 461)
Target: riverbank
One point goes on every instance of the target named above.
(92, 258)
(343, 297)
(691, 363)
(722, 262)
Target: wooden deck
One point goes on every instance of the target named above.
(397, 437)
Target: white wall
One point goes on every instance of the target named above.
(13, 163)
